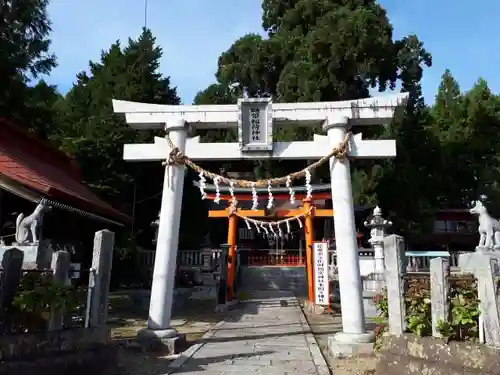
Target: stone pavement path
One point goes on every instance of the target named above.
(267, 334)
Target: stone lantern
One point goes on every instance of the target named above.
(378, 226)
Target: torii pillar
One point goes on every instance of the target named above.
(255, 120)
(162, 287)
(351, 288)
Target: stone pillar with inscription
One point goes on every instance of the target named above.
(60, 267)
(102, 260)
(10, 275)
(440, 270)
(395, 261)
(485, 267)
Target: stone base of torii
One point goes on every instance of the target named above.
(336, 118)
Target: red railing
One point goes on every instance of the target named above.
(277, 260)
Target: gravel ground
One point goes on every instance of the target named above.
(196, 318)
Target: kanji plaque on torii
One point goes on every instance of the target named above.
(256, 120)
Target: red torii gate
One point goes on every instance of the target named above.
(308, 211)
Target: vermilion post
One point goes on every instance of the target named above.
(231, 242)
(309, 231)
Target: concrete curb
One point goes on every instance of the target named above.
(317, 357)
(187, 354)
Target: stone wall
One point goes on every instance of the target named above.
(409, 354)
(71, 352)
(274, 278)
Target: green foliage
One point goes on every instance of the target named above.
(418, 313)
(38, 297)
(24, 57)
(464, 309)
(314, 50)
(465, 312)
(467, 125)
(94, 135)
(91, 132)
(338, 50)
(381, 304)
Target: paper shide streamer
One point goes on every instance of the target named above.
(203, 185)
(255, 198)
(217, 190)
(290, 189)
(308, 185)
(270, 202)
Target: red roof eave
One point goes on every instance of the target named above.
(84, 204)
(97, 206)
(46, 171)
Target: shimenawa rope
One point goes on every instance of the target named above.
(177, 157)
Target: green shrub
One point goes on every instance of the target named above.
(464, 308)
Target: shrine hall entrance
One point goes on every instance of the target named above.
(273, 246)
(269, 262)
(272, 243)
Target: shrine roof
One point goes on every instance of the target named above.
(276, 190)
(33, 170)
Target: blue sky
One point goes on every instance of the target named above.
(461, 36)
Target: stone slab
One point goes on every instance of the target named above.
(268, 337)
(178, 322)
(470, 262)
(410, 354)
(312, 308)
(200, 324)
(35, 255)
(368, 304)
(203, 293)
(348, 350)
(151, 342)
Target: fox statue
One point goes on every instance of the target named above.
(28, 228)
(489, 227)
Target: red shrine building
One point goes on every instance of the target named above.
(31, 170)
(454, 230)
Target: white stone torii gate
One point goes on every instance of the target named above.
(256, 119)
